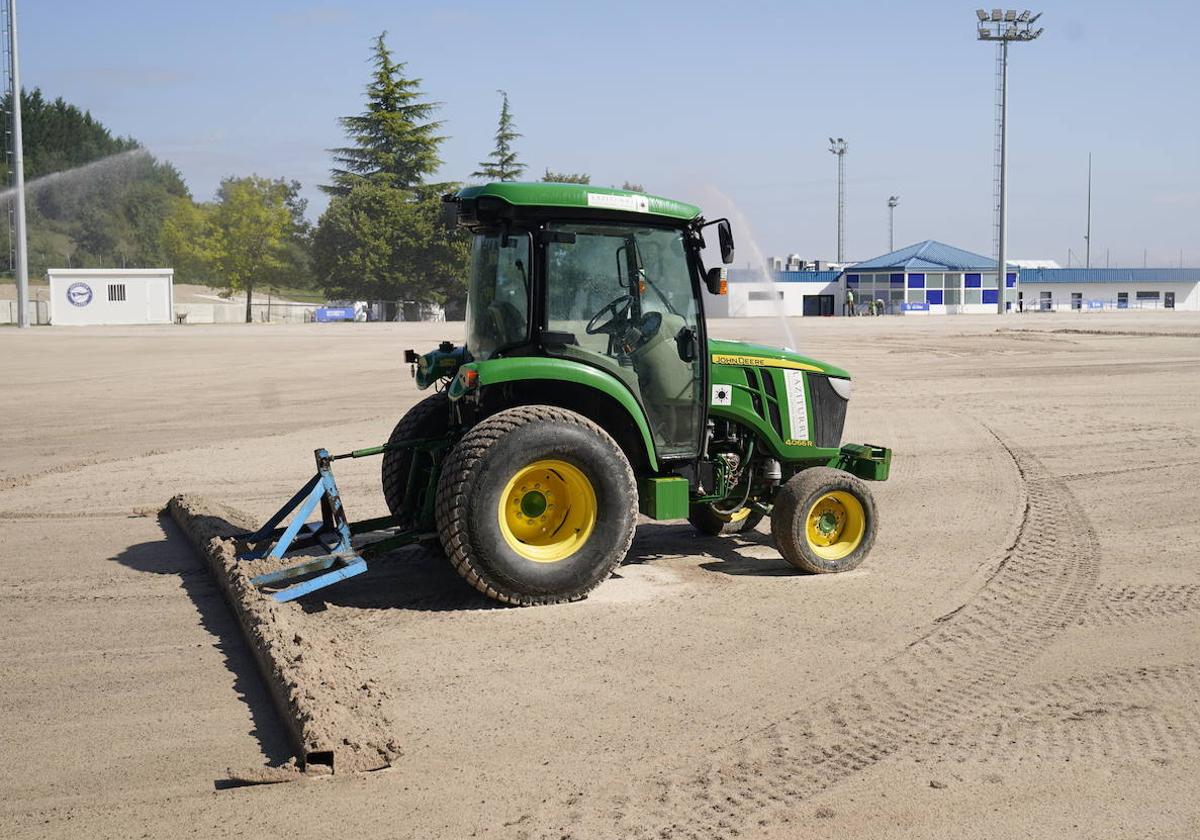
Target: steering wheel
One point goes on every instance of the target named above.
(619, 309)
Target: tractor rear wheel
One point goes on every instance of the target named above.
(424, 420)
(824, 520)
(707, 519)
(536, 505)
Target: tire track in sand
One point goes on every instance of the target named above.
(1145, 712)
(938, 685)
(1142, 602)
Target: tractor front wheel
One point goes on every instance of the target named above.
(536, 505)
(707, 519)
(824, 520)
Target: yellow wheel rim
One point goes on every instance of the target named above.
(547, 511)
(835, 525)
(737, 516)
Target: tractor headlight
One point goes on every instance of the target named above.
(841, 387)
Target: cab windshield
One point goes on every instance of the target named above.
(620, 297)
(498, 293)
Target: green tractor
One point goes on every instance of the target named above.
(588, 391)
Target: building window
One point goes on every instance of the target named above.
(953, 281)
(1148, 296)
(851, 279)
(897, 279)
(916, 281)
(933, 281)
(1077, 300)
(1045, 301)
(973, 281)
(1122, 300)
(991, 296)
(116, 292)
(973, 296)
(953, 296)
(933, 296)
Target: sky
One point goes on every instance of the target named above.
(728, 105)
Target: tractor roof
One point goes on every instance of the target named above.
(583, 197)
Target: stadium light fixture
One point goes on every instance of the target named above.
(893, 200)
(838, 147)
(1005, 26)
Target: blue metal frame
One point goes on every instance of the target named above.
(333, 532)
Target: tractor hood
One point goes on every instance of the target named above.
(744, 354)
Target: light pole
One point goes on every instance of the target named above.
(838, 147)
(1005, 26)
(1088, 236)
(892, 202)
(18, 168)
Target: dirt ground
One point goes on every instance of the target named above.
(1017, 657)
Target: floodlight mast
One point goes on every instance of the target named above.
(838, 147)
(1004, 26)
(18, 173)
(892, 202)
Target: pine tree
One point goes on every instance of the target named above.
(381, 236)
(502, 163)
(395, 143)
(567, 177)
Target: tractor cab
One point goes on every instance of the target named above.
(607, 279)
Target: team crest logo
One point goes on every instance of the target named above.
(79, 294)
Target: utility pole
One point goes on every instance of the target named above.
(892, 202)
(1004, 26)
(838, 147)
(1087, 237)
(18, 164)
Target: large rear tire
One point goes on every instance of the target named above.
(426, 419)
(536, 505)
(824, 520)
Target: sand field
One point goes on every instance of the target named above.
(1017, 657)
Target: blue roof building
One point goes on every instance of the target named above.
(930, 276)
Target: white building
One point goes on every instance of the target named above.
(931, 278)
(1091, 289)
(794, 292)
(83, 296)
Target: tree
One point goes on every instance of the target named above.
(107, 200)
(375, 243)
(566, 177)
(632, 187)
(254, 233)
(380, 236)
(394, 141)
(502, 163)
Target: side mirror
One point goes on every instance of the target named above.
(450, 212)
(717, 281)
(725, 237)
